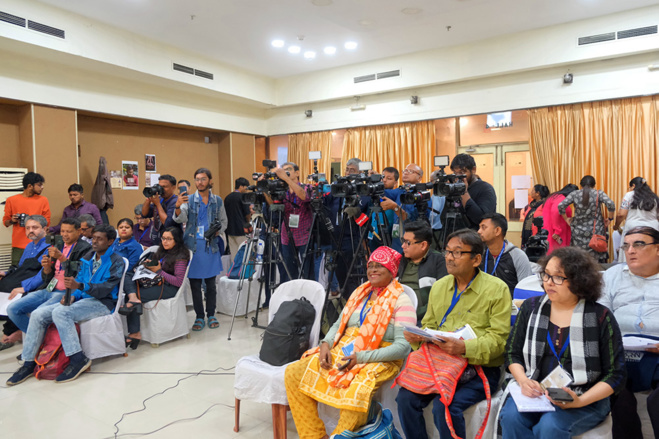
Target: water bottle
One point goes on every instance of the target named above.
(259, 251)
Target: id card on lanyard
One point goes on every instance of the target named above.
(455, 299)
(349, 349)
(496, 262)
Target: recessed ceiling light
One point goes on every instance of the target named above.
(277, 43)
(309, 54)
(411, 11)
(366, 23)
(350, 45)
(294, 49)
(322, 2)
(329, 50)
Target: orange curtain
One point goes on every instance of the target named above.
(614, 141)
(395, 145)
(299, 146)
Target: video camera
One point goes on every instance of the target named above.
(270, 184)
(152, 191)
(353, 185)
(446, 185)
(416, 193)
(71, 268)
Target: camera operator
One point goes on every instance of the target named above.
(390, 177)
(480, 197)
(161, 206)
(201, 213)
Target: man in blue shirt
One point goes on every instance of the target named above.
(161, 209)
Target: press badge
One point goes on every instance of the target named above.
(294, 221)
(200, 232)
(348, 349)
(51, 285)
(557, 378)
(395, 231)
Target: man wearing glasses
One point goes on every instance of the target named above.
(466, 295)
(631, 291)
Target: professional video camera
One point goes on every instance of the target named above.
(154, 190)
(271, 184)
(446, 185)
(372, 186)
(353, 185)
(537, 245)
(416, 193)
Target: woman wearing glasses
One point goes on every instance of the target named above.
(639, 208)
(567, 335)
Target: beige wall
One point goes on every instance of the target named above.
(25, 137)
(9, 137)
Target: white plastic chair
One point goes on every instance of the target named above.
(104, 336)
(258, 381)
(168, 319)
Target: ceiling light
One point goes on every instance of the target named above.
(294, 49)
(277, 43)
(329, 50)
(350, 45)
(411, 11)
(309, 54)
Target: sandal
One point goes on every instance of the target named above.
(198, 325)
(213, 323)
(135, 307)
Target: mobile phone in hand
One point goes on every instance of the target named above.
(151, 263)
(558, 394)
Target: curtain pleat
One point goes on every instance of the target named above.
(299, 146)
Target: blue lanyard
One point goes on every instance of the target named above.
(496, 262)
(146, 229)
(455, 300)
(362, 314)
(553, 349)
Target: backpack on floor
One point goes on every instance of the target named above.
(236, 267)
(51, 359)
(287, 336)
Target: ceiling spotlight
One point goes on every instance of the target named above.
(568, 78)
(308, 113)
(414, 100)
(309, 54)
(411, 11)
(277, 43)
(329, 50)
(294, 49)
(350, 45)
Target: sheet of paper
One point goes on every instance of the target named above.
(521, 198)
(528, 404)
(154, 179)
(142, 272)
(521, 181)
(634, 343)
(4, 303)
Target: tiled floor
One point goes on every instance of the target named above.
(89, 407)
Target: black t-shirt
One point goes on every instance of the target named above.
(237, 213)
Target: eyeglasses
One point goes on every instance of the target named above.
(410, 171)
(166, 239)
(457, 254)
(558, 280)
(406, 242)
(638, 245)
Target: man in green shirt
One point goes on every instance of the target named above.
(466, 296)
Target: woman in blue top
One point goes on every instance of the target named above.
(126, 246)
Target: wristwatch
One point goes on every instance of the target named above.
(396, 209)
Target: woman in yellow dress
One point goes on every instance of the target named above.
(364, 348)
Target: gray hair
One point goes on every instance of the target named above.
(295, 167)
(87, 218)
(38, 218)
(138, 210)
(353, 162)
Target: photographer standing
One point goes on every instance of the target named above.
(480, 197)
(161, 206)
(203, 212)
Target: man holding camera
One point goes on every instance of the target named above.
(238, 214)
(390, 177)
(480, 197)
(78, 207)
(94, 292)
(19, 207)
(160, 204)
(205, 220)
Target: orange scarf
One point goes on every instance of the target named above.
(371, 331)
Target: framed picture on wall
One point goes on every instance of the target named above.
(150, 162)
(130, 170)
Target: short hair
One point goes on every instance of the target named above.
(168, 178)
(471, 238)
(498, 220)
(87, 218)
(203, 171)
(241, 181)
(295, 167)
(125, 220)
(75, 222)
(353, 162)
(421, 230)
(75, 187)
(38, 218)
(184, 181)
(392, 170)
(644, 230)
(138, 210)
(464, 161)
(32, 178)
(108, 230)
(581, 270)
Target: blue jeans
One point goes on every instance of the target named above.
(289, 256)
(65, 318)
(18, 310)
(552, 425)
(411, 405)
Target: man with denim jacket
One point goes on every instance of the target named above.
(93, 294)
(199, 212)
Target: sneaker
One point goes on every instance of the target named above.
(25, 372)
(73, 371)
(4, 346)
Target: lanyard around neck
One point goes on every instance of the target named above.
(456, 299)
(362, 314)
(496, 262)
(553, 349)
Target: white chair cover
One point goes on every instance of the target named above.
(258, 381)
(187, 292)
(227, 291)
(168, 319)
(104, 336)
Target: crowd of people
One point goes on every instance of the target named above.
(462, 271)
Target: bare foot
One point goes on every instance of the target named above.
(136, 335)
(13, 338)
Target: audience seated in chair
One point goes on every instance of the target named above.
(371, 322)
(143, 228)
(125, 245)
(170, 262)
(565, 328)
(94, 293)
(87, 224)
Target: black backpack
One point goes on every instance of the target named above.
(287, 336)
(16, 275)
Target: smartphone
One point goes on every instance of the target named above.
(183, 191)
(558, 394)
(151, 263)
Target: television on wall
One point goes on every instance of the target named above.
(499, 120)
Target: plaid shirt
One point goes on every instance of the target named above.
(295, 205)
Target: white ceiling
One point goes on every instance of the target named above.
(239, 32)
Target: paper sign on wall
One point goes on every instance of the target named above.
(130, 173)
(154, 179)
(521, 181)
(521, 198)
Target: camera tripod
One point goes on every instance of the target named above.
(453, 218)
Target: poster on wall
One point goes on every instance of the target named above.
(116, 181)
(150, 162)
(129, 170)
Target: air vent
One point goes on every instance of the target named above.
(597, 38)
(12, 19)
(44, 29)
(638, 32)
(389, 74)
(203, 74)
(364, 78)
(184, 69)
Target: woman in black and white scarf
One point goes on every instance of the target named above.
(564, 328)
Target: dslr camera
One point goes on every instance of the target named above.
(154, 190)
(21, 219)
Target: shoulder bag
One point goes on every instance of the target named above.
(598, 242)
